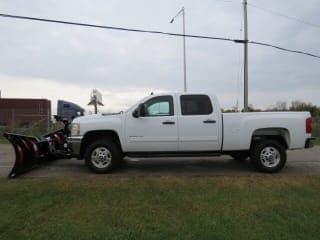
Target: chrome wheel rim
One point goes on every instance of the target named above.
(101, 157)
(270, 157)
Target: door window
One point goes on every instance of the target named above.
(195, 105)
(159, 106)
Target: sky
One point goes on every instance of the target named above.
(54, 61)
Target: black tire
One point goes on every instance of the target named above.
(110, 157)
(240, 156)
(268, 156)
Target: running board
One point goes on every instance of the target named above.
(172, 154)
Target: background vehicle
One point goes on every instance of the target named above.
(176, 124)
(69, 110)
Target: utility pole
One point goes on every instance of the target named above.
(95, 105)
(245, 54)
(184, 52)
(182, 11)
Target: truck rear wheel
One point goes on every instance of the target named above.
(268, 156)
(102, 156)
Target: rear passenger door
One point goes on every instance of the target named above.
(198, 123)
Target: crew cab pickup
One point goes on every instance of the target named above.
(185, 124)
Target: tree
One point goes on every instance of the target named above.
(303, 106)
(281, 106)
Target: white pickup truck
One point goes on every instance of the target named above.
(185, 124)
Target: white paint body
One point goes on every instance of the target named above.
(230, 132)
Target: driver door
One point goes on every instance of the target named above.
(156, 130)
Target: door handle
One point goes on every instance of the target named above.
(168, 122)
(209, 121)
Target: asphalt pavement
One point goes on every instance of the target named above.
(299, 162)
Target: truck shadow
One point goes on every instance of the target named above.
(188, 166)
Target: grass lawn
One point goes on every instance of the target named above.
(255, 207)
(317, 142)
(3, 141)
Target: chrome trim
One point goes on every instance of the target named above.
(74, 143)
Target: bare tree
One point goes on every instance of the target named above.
(281, 106)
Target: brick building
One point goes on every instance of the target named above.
(21, 113)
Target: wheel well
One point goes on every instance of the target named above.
(280, 134)
(89, 137)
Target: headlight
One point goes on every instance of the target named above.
(75, 129)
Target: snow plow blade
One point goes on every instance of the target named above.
(32, 151)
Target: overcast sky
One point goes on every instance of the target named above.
(57, 61)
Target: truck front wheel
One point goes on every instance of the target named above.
(102, 156)
(268, 156)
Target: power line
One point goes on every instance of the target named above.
(114, 28)
(285, 15)
(284, 49)
(156, 32)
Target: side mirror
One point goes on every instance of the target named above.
(135, 113)
(139, 111)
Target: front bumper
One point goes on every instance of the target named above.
(74, 143)
(309, 142)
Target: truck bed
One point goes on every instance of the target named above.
(238, 128)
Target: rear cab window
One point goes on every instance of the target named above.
(198, 104)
